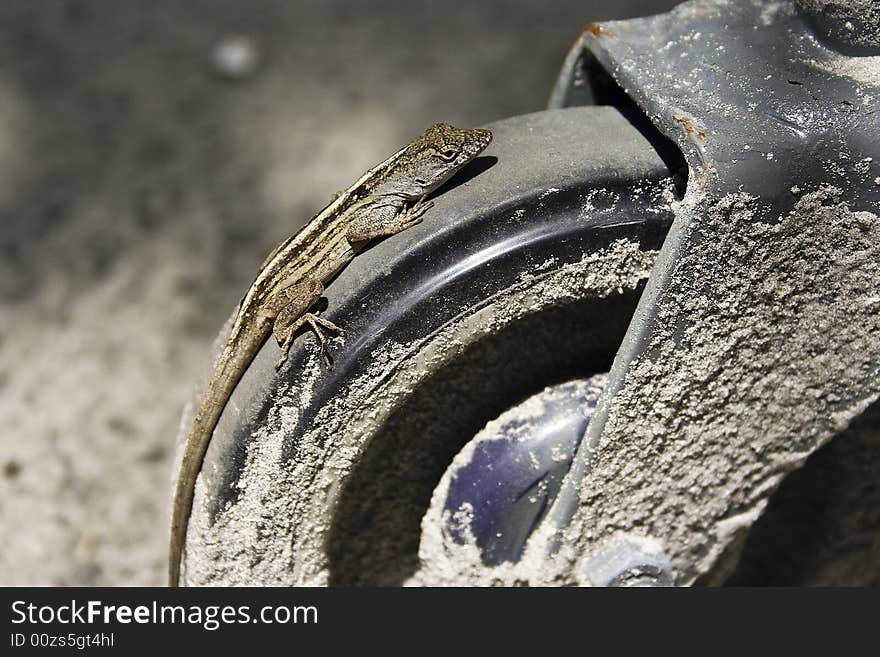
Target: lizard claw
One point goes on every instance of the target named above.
(285, 348)
(316, 322)
(330, 325)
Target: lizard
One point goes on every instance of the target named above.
(387, 199)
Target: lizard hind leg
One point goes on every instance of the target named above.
(290, 308)
(284, 335)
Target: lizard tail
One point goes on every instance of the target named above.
(226, 376)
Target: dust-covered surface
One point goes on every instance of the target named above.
(151, 154)
(822, 527)
(757, 337)
(286, 508)
(747, 385)
(851, 22)
(445, 561)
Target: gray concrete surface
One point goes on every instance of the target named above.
(143, 176)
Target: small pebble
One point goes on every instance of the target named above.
(236, 57)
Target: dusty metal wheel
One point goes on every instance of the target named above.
(525, 275)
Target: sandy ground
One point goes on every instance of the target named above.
(143, 176)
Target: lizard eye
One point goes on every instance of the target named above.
(449, 153)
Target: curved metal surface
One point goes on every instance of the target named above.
(851, 27)
(499, 487)
(758, 336)
(553, 187)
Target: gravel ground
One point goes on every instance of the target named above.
(151, 153)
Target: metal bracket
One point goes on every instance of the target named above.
(758, 336)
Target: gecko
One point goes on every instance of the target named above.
(387, 199)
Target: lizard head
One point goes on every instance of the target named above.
(434, 157)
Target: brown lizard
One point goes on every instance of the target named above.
(387, 199)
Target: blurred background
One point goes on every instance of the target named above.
(151, 154)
